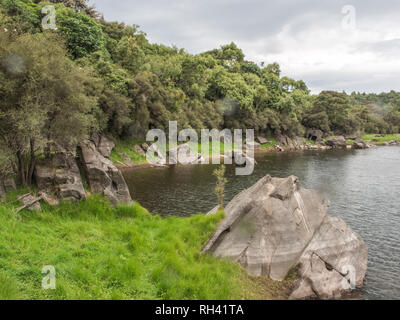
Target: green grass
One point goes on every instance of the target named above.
(126, 146)
(102, 252)
(269, 145)
(386, 138)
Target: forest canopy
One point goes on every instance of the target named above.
(88, 75)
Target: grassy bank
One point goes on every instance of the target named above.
(101, 252)
(379, 139)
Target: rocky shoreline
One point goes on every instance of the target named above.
(283, 144)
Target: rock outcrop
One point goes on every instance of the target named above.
(276, 225)
(59, 176)
(102, 175)
(103, 144)
(314, 134)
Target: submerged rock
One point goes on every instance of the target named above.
(276, 225)
(102, 175)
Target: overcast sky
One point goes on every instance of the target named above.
(311, 39)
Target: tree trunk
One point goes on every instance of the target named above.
(21, 168)
(33, 162)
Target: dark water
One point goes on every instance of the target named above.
(363, 187)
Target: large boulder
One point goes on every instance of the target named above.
(102, 175)
(270, 227)
(337, 142)
(314, 134)
(359, 144)
(59, 175)
(334, 261)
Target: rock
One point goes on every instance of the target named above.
(261, 140)
(314, 134)
(9, 184)
(276, 225)
(127, 159)
(30, 202)
(156, 155)
(337, 142)
(105, 146)
(48, 198)
(252, 144)
(298, 142)
(213, 211)
(334, 261)
(183, 154)
(279, 148)
(139, 150)
(359, 144)
(144, 146)
(351, 136)
(103, 177)
(283, 140)
(59, 176)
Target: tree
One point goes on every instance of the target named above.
(220, 187)
(45, 98)
(82, 34)
(129, 54)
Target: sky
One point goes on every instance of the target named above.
(330, 44)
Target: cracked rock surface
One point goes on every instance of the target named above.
(276, 225)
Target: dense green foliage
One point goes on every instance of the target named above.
(101, 252)
(127, 85)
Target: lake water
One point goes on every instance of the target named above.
(362, 185)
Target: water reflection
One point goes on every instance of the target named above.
(363, 187)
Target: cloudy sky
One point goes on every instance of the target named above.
(331, 44)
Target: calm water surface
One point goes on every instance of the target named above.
(362, 185)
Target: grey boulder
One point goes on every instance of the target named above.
(337, 142)
(270, 227)
(102, 175)
(59, 175)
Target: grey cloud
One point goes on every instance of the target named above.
(201, 25)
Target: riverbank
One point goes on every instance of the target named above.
(124, 252)
(125, 157)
